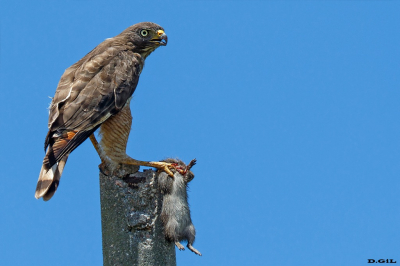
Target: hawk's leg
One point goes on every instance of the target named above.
(97, 147)
(114, 134)
(128, 160)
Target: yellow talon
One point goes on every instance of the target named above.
(166, 169)
(163, 166)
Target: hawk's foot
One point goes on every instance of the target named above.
(162, 166)
(104, 169)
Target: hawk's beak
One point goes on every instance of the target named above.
(161, 38)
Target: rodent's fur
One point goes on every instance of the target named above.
(175, 213)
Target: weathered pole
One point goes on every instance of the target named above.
(130, 219)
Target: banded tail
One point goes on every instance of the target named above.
(49, 178)
(59, 148)
(53, 164)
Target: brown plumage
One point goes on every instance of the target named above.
(93, 92)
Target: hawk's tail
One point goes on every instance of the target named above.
(49, 178)
(54, 161)
(53, 166)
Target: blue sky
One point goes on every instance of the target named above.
(290, 107)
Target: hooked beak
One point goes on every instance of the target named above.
(161, 38)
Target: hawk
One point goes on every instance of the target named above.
(95, 93)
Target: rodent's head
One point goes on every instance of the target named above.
(187, 174)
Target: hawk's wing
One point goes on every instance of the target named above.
(88, 93)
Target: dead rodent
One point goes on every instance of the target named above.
(175, 213)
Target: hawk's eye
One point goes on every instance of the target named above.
(144, 33)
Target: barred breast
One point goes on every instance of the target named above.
(114, 133)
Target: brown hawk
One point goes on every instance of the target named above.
(95, 93)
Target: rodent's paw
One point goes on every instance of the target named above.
(179, 246)
(193, 249)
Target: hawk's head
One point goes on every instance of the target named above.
(146, 37)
